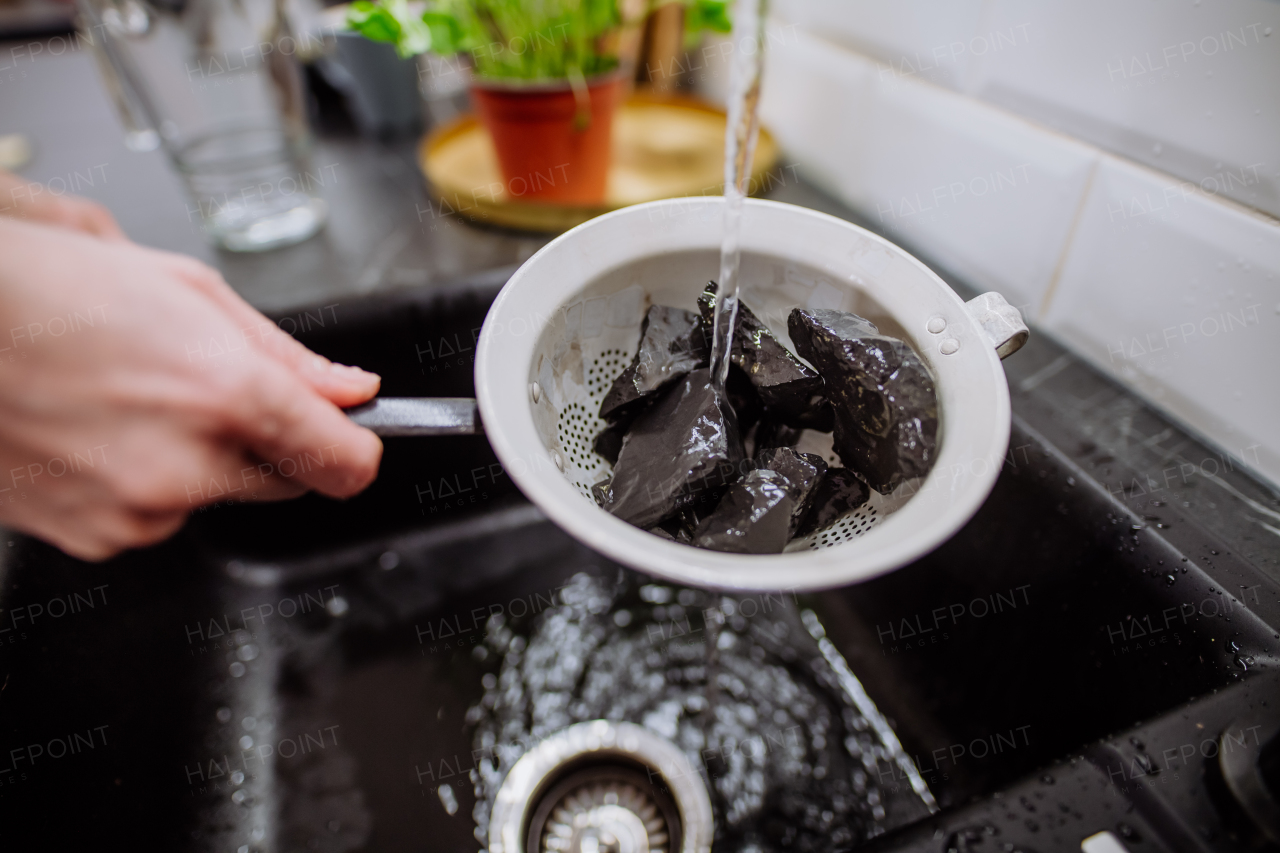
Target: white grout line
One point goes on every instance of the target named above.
(1068, 242)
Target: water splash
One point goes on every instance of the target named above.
(782, 748)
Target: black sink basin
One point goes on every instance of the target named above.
(299, 676)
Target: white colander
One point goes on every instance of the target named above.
(568, 322)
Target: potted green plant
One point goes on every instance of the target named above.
(547, 76)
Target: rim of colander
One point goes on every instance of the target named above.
(974, 407)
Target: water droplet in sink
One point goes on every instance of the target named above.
(1127, 832)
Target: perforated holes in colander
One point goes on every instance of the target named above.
(579, 422)
(601, 372)
(853, 524)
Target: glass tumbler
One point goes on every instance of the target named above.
(218, 84)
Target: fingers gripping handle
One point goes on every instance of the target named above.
(400, 416)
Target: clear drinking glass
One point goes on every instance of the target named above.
(219, 84)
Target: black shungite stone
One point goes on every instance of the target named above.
(678, 450)
(788, 388)
(838, 492)
(759, 513)
(753, 517)
(744, 398)
(770, 433)
(886, 410)
(674, 529)
(672, 343)
(609, 441)
(804, 471)
(662, 532)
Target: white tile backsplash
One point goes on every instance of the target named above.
(1178, 295)
(929, 39)
(993, 194)
(1186, 87)
(815, 99)
(1172, 289)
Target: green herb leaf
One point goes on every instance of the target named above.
(390, 21)
(708, 15)
(373, 22)
(519, 39)
(446, 32)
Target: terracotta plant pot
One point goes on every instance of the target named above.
(550, 147)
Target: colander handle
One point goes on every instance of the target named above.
(1000, 322)
(400, 416)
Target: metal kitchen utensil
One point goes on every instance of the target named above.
(600, 800)
(568, 322)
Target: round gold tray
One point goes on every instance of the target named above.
(663, 146)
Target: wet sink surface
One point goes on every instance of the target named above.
(300, 676)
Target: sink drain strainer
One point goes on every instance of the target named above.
(603, 809)
(602, 787)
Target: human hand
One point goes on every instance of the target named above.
(116, 419)
(34, 202)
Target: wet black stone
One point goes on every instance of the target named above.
(662, 533)
(788, 388)
(769, 432)
(689, 517)
(754, 516)
(671, 344)
(838, 492)
(674, 529)
(600, 491)
(886, 410)
(759, 513)
(744, 398)
(686, 445)
(609, 441)
(805, 471)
